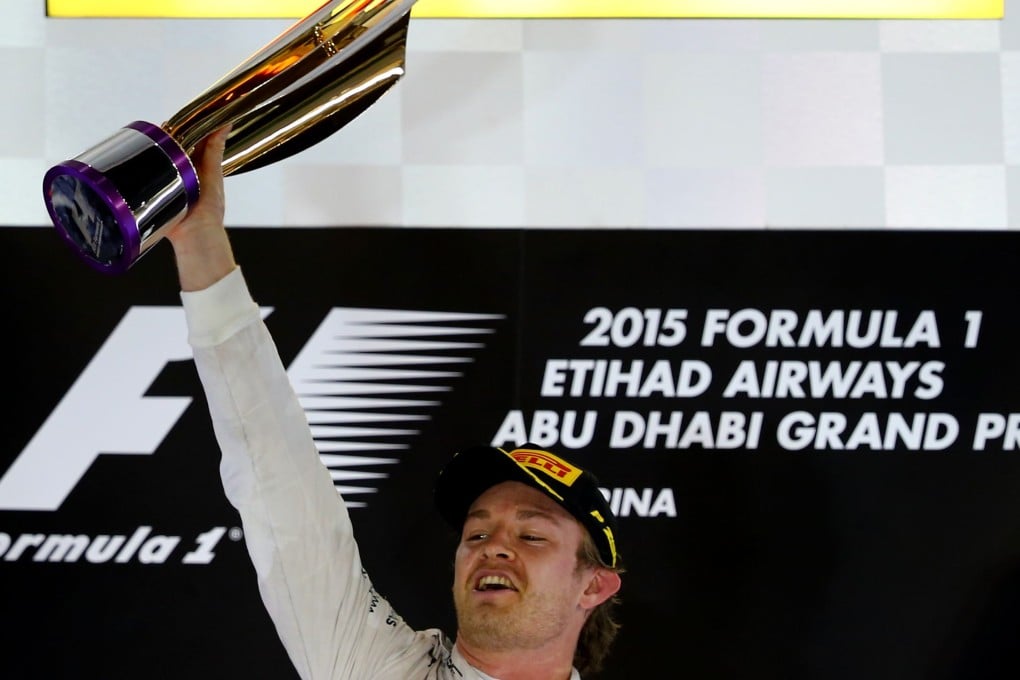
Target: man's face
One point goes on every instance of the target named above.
(516, 582)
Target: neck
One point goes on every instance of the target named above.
(520, 664)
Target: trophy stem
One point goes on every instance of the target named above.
(282, 99)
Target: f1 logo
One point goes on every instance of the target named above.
(358, 358)
(105, 411)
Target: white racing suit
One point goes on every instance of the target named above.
(299, 535)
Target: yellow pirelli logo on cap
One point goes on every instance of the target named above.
(612, 543)
(553, 9)
(548, 464)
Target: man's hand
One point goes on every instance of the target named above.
(200, 241)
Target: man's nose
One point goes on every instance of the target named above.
(499, 546)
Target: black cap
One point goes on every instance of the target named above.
(476, 469)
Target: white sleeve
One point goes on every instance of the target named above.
(297, 529)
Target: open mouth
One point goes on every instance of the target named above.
(494, 583)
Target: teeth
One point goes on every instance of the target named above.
(487, 581)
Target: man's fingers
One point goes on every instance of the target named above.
(211, 151)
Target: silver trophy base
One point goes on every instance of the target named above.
(111, 203)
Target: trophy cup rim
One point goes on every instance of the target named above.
(108, 193)
(126, 207)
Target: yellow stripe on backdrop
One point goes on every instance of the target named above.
(551, 9)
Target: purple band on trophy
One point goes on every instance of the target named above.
(92, 215)
(113, 201)
(176, 154)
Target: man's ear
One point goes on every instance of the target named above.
(602, 585)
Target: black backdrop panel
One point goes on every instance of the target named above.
(811, 439)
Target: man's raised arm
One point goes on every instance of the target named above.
(200, 241)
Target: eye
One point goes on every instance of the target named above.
(475, 536)
(531, 538)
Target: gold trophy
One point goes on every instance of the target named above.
(115, 200)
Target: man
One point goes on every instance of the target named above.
(536, 568)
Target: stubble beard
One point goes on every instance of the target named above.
(526, 623)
